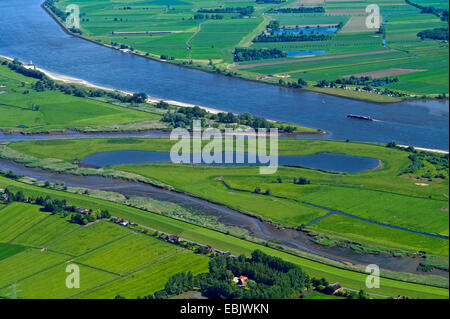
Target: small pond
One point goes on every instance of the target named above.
(304, 52)
(306, 30)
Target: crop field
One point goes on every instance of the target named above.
(34, 264)
(24, 109)
(17, 218)
(155, 277)
(209, 237)
(210, 42)
(7, 250)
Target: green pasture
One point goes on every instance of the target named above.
(56, 110)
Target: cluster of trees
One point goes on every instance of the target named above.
(263, 37)
(435, 34)
(352, 80)
(51, 4)
(297, 85)
(17, 66)
(268, 278)
(417, 158)
(441, 13)
(301, 181)
(270, 1)
(45, 83)
(366, 88)
(162, 105)
(200, 16)
(273, 25)
(244, 11)
(299, 10)
(184, 116)
(83, 219)
(246, 54)
(166, 57)
(175, 285)
(249, 120)
(57, 206)
(322, 285)
(259, 191)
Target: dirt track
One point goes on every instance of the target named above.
(249, 66)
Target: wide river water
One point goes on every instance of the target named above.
(30, 34)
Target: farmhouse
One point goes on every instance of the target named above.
(336, 286)
(83, 211)
(241, 281)
(174, 239)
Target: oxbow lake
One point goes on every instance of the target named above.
(331, 162)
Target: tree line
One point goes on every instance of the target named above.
(200, 16)
(352, 80)
(263, 37)
(246, 54)
(51, 5)
(299, 10)
(440, 13)
(245, 11)
(184, 116)
(435, 34)
(56, 206)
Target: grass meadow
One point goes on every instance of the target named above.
(35, 262)
(56, 110)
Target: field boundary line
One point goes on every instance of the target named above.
(124, 276)
(31, 227)
(330, 210)
(37, 272)
(249, 66)
(102, 245)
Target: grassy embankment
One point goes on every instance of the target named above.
(236, 246)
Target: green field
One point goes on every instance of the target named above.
(210, 43)
(205, 185)
(18, 110)
(380, 195)
(35, 262)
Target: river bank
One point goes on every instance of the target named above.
(355, 95)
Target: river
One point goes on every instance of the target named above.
(30, 34)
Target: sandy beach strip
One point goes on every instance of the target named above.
(433, 150)
(73, 80)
